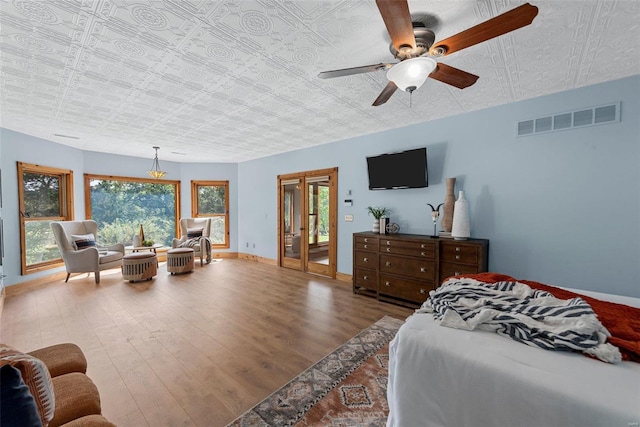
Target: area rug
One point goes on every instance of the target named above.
(346, 388)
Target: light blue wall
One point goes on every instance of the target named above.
(561, 208)
(18, 147)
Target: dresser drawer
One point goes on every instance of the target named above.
(459, 253)
(366, 246)
(453, 269)
(367, 239)
(422, 269)
(365, 259)
(407, 244)
(365, 278)
(416, 249)
(405, 288)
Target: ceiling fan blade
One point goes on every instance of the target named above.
(386, 93)
(453, 76)
(355, 70)
(397, 19)
(516, 18)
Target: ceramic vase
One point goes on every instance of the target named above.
(460, 228)
(376, 226)
(449, 206)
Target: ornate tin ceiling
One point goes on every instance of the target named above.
(229, 81)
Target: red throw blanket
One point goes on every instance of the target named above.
(622, 321)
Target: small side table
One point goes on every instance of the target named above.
(153, 248)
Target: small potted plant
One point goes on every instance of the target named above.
(377, 213)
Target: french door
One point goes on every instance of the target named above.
(307, 226)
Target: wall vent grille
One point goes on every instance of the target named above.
(569, 120)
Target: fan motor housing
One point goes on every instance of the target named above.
(424, 40)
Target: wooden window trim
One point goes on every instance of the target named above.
(87, 192)
(195, 211)
(66, 205)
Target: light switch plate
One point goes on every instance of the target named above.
(348, 218)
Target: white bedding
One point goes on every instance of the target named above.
(448, 377)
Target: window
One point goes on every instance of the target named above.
(120, 205)
(211, 199)
(45, 194)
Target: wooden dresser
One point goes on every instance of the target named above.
(403, 268)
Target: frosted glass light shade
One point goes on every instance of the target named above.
(410, 74)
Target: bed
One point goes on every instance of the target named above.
(440, 376)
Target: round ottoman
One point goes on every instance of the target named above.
(139, 266)
(180, 260)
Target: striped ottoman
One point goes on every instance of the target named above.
(139, 266)
(180, 260)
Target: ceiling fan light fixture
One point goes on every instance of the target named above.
(410, 74)
(155, 171)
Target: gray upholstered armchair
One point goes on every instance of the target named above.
(191, 229)
(81, 254)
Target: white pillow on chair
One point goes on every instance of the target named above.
(83, 241)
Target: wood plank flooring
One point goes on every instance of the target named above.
(197, 349)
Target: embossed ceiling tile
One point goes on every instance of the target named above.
(257, 25)
(227, 73)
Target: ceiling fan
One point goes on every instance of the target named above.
(413, 45)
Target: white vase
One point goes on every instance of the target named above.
(384, 221)
(460, 230)
(376, 226)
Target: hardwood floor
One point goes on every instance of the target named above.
(197, 349)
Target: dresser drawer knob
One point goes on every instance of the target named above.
(422, 291)
(388, 249)
(387, 283)
(388, 242)
(422, 269)
(457, 248)
(423, 253)
(423, 246)
(457, 256)
(388, 263)
(366, 277)
(366, 246)
(366, 240)
(365, 259)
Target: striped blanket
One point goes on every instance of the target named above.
(202, 241)
(526, 315)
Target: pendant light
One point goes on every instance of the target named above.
(155, 171)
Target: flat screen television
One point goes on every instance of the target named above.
(405, 169)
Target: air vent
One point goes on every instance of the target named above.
(569, 120)
(66, 136)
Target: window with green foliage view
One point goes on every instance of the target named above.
(45, 195)
(210, 199)
(121, 205)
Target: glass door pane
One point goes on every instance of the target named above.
(319, 239)
(291, 223)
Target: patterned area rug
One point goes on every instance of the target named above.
(346, 388)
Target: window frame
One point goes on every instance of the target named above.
(195, 210)
(66, 210)
(87, 192)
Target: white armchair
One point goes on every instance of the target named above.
(203, 246)
(92, 258)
